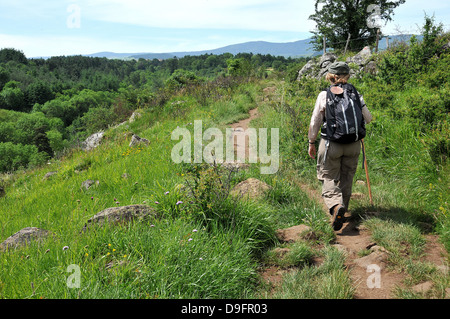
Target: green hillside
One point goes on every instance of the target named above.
(199, 241)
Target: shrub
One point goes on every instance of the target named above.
(15, 156)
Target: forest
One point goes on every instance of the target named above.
(48, 106)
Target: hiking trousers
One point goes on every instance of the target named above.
(336, 167)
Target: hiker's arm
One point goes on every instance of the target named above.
(365, 111)
(317, 117)
(316, 123)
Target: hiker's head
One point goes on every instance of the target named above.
(338, 73)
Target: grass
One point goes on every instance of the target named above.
(214, 248)
(328, 281)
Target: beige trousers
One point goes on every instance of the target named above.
(336, 167)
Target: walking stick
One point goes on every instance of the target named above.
(367, 171)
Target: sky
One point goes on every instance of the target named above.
(71, 27)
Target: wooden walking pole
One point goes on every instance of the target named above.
(367, 171)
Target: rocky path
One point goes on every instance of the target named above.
(371, 277)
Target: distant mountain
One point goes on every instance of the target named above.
(290, 49)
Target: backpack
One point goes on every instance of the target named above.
(343, 122)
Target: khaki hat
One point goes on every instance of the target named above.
(339, 68)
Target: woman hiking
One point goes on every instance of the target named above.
(342, 114)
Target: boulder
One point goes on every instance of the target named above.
(251, 188)
(88, 183)
(134, 116)
(307, 69)
(121, 214)
(377, 257)
(92, 141)
(318, 68)
(48, 175)
(24, 237)
(136, 140)
(362, 58)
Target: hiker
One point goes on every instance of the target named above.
(338, 153)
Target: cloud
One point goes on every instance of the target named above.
(270, 15)
(34, 46)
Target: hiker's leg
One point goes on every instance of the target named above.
(328, 172)
(349, 163)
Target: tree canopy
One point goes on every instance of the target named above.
(337, 19)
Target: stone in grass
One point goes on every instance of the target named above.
(122, 214)
(136, 140)
(88, 183)
(251, 188)
(23, 237)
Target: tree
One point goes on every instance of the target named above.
(4, 77)
(337, 19)
(9, 54)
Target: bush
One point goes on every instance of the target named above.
(15, 156)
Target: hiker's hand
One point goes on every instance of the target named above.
(312, 151)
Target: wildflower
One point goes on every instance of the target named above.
(152, 225)
(124, 256)
(117, 203)
(86, 254)
(156, 203)
(92, 198)
(166, 193)
(200, 258)
(65, 248)
(195, 230)
(190, 239)
(114, 249)
(179, 202)
(109, 245)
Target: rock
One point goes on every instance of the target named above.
(423, 287)
(294, 233)
(318, 68)
(251, 188)
(134, 116)
(88, 183)
(48, 175)
(92, 141)
(24, 237)
(121, 214)
(136, 140)
(377, 257)
(307, 69)
(362, 58)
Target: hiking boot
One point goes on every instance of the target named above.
(338, 217)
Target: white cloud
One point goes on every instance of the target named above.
(34, 46)
(270, 15)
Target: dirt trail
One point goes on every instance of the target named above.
(239, 137)
(351, 239)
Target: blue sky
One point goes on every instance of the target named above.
(66, 27)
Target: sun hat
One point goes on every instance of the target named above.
(339, 68)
